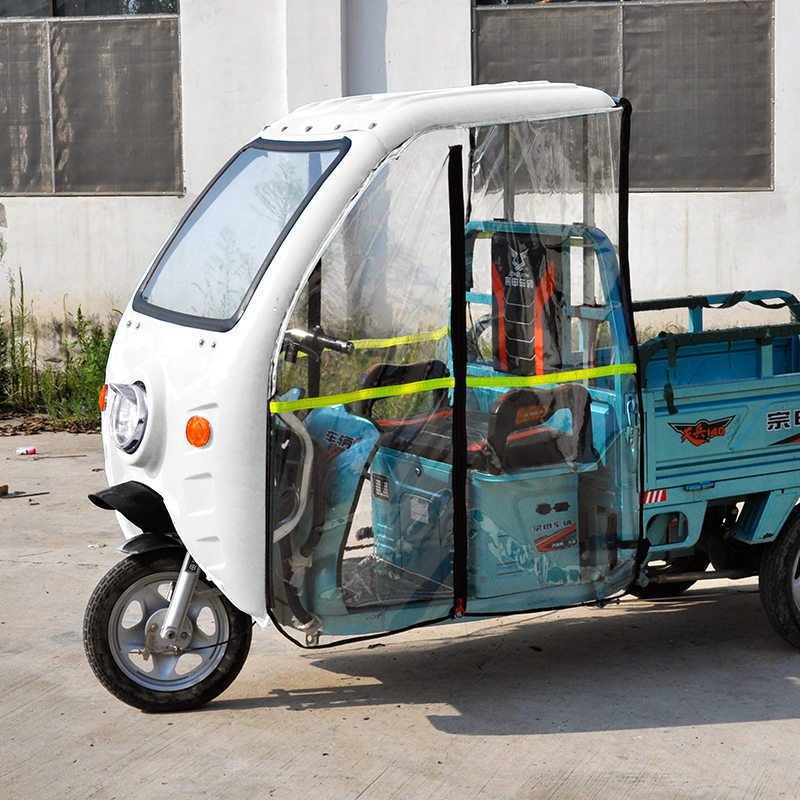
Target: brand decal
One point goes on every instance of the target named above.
(340, 440)
(560, 536)
(519, 259)
(531, 415)
(702, 431)
(338, 443)
(520, 275)
(784, 420)
(546, 508)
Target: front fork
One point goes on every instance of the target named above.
(179, 600)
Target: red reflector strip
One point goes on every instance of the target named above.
(656, 496)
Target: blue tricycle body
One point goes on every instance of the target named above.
(721, 436)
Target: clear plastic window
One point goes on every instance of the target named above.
(227, 240)
(363, 423)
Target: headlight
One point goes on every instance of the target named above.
(127, 417)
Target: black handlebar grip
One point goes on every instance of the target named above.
(317, 341)
(341, 345)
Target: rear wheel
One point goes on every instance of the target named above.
(779, 581)
(695, 562)
(129, 657)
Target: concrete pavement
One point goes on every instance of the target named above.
(694, 698)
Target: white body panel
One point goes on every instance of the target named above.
(216, 495)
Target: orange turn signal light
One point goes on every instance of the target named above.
(198, 431)
(103, 395)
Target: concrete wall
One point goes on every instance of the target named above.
(248, 62)
(696, 242)
(400, 45)
(315, 50)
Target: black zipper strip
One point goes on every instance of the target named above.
(627, 302)
(458, 328)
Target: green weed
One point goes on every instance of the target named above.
(65, 386)
(69, 391)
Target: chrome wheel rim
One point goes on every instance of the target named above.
(795, 579)
(156, 663)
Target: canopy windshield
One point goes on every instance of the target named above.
(225, 244)
(514, 344)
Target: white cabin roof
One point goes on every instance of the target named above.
(395, 117)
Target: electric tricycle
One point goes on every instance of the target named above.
(384, 374)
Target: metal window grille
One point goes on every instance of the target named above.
(85, 8)
(698, 73)
(91, 106)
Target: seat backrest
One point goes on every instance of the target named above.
(395, 375)
(527, 311)
(520, 438)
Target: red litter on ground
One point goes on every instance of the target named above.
(26, 451)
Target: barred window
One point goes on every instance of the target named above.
(91, 105)
(699, 74)
(85, 8)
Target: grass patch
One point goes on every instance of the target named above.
(55, 368)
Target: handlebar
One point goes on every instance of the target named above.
(313, 343)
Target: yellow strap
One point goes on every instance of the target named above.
(379, 392)
(510, 381)
(382, 344)
(513, 381)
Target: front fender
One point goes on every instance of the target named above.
(139, 504)
(146, 542)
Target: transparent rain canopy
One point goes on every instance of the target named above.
(219, 251)
(361, 454)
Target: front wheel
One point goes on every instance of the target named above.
(779, 581)
(129, 657)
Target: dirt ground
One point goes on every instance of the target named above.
(693, 698)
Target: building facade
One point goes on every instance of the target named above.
(118, 112)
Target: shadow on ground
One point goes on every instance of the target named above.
(709, 657)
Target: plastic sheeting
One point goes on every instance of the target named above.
(362, 434)
(383, 284)
(554, 497)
